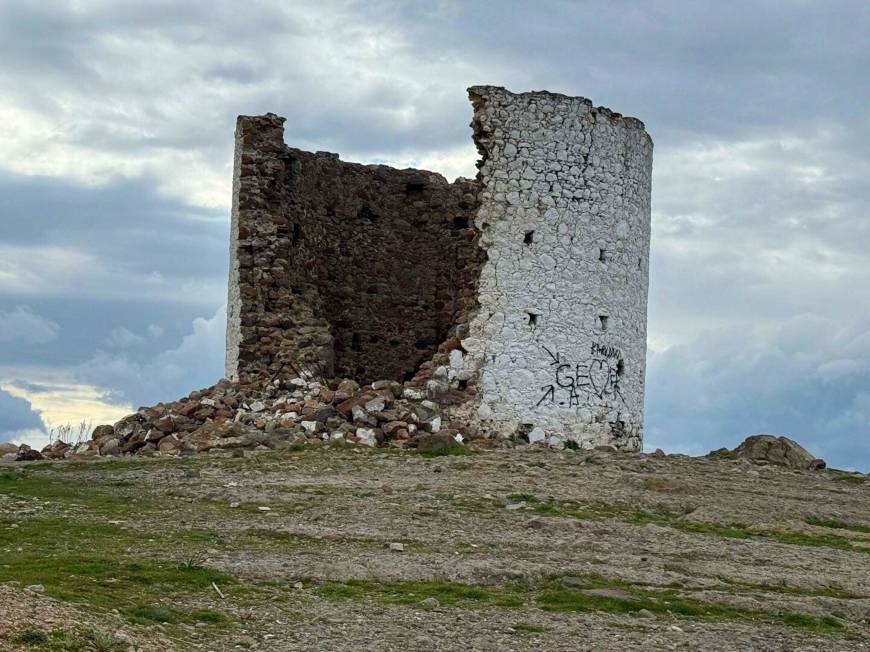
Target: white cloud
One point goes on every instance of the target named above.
(33, 437)
(361, 82)
(59, 399)
(155, 331)
(57, 271)
(756, 231)
(197, 361)
(451, 163)
(24, 325)
(121, 338)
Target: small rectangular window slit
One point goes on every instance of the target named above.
(533, 318)
(602, 322)
(529, 237)
(602, 255)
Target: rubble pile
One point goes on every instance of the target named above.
(276, 415)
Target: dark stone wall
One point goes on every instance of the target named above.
(358, 270)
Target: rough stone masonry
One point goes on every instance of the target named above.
(516, 301)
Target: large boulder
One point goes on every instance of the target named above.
(103, 433)
(780, 451)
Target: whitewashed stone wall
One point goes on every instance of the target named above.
(558, 345)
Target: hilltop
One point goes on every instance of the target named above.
(349, 548)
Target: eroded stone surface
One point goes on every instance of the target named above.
(352, 270)
(559, 341)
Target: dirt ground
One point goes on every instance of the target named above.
(356, 549)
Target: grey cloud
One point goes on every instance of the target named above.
(196, 361)
(86, 323)
(133, 234)
(23, 325)
(16, 415)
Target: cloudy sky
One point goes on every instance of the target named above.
(116, 125)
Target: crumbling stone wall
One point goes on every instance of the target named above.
(559, 341)
(530, 282)
(351, 270)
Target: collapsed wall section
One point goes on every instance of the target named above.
(558, 344)
(342, 269)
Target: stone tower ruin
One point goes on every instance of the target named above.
(517, 300)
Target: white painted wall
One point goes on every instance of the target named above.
(577, 179)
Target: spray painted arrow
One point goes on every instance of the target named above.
(550, 391)
(555, 357)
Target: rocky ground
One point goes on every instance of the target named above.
(342, 547)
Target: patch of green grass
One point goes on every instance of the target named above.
(103, 498)
(663, 602)
(283, 541)
(838, 525)
(460, 450)
(447, 593)
(531, 629)
(106, 464)
(557, 597)
(805, 621)
(61, 640)
(102, 565)
(667, 602)
(570, 509)
(147, 614)
(524, 498)
(851, 479)
(831, 622)
(276, 539)
(314, 490)
(814, 540)
(823, 591)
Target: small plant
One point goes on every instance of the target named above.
(71, 434)
(194, 561)
(31, 637)
(61, 640)
(531, 629)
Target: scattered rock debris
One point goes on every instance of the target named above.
(229, 416)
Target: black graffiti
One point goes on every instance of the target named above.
(549, 393)
(605, 351)
(597, 378)
(554, 357)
